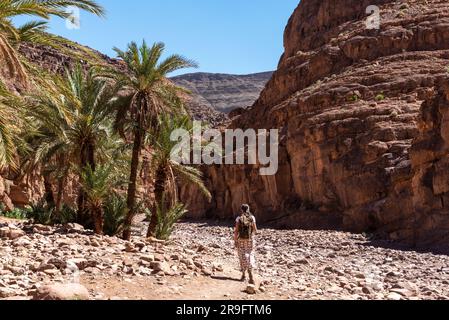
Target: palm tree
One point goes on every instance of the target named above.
(151, 95)
(169, 172)
(10, 125)
(97, 185)
(75, 123)
(34, 31)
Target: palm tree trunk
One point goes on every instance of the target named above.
(49, 196)
(159, 189)
(59, 196)
(132, 188)
(99, 221)
(87, 159)
(61, 184)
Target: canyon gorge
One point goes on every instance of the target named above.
(363, 121)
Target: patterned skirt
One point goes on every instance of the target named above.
(246, 254)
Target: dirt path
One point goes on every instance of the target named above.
(219, 287)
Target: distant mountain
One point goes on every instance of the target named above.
(224, 92)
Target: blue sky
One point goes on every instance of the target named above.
(225, 36)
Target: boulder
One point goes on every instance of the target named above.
(11, 233)
(71, 291)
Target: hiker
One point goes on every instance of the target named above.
(245, 230)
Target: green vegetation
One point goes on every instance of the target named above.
(166, 217)
(19, 214)
(115, 211)
(88, 127)
(34, 30)
(380, 97)
(353, 98)
(167, 172)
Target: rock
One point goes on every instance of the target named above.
(52, 272)
(187, 262)
(21, 242)
(73, 291)
(394, 296)
(366, 290)
(360, 275)
(15, 270)
(206, 272)
(96, 243)
(38, 228)
(6, 293)
(45, 266)
(80, 263)
(58, 263)
(154, 240)
(221, 92)
(127, 262)
(352, 139)
(159, 257)
(92, 270)
(11, 233)
(251, 289)
(158, 266)
(147, 258)
(74, 228)
(4, 232)
(403, 292)
(302, 261)
(129, 247)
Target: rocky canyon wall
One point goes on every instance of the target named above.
(363, 125)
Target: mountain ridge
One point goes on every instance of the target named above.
(224, 92)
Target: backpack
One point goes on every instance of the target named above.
(246, 226)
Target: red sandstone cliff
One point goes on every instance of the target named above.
(349, 101)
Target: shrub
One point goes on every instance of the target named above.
(115, 211)
(353, 98)
(17, 213)
(380, 97)
(166, 218)
(67, 215)
(41, 214)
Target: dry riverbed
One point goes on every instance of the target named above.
(200, 263)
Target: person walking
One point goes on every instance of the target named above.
(244, 233)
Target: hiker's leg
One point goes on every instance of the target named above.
(243, 276)
(251, 276)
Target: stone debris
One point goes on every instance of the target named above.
(45, 261)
